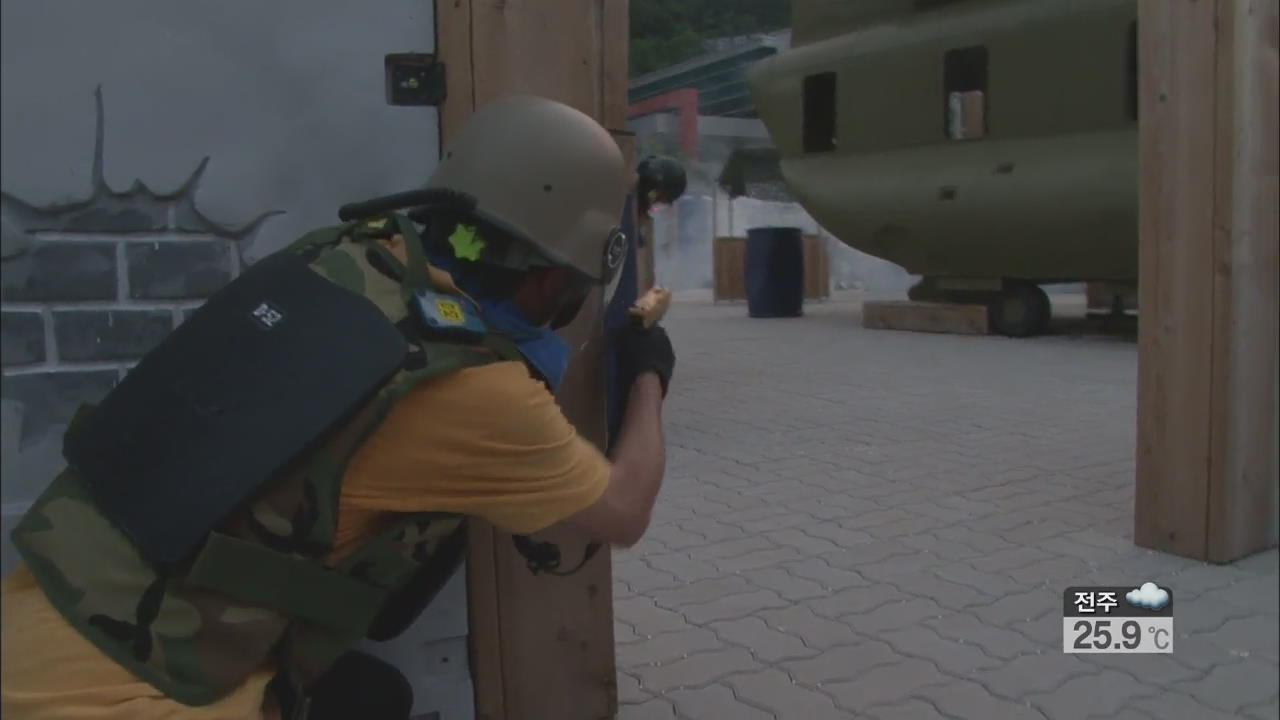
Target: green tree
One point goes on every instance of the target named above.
(665, 32)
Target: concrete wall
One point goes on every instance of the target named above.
(150, 150)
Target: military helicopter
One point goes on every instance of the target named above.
(988, 146)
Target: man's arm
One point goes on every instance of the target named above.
(621, 515)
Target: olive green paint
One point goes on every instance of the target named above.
(1049, 194)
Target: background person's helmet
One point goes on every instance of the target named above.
(547, 177)
(661, 173)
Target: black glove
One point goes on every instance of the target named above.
(641, 350)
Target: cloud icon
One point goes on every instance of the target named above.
(1150, 596)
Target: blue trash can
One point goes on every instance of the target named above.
(774, 272)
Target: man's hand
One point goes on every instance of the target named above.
(642, 350)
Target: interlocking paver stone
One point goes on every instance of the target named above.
(733, 606)
(1260, 595)
(843, 663)
(642, 577)
(887, 683)
(701, 591)
(1161, 670)
(892, 567)
(683, 567)
(950, 656)
(759, 559)
(856, 600)
(674, 538)
(853, 543)
(1103, 694)
(907, 710)
(668, 647)
(1266, 711)
(964, 699)
(817, 632)
(646, 618)
(1052, 571)
(1254, 635)
(1032, 674)
(655, 709)
(897, 615)
(800, 540)
(622, 632)
(824, 573)
(781, 581)
(629, 690)
(1178, 706)
(772, 689)
(1020, 607)
(763, 641)
(1007, 558)
(695, 670)
(831, 490)
(947, 594)
(995, 641)
(714, 702)
(1231, 687)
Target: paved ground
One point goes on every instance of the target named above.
(880, 524)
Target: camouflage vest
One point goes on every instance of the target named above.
(257, 586)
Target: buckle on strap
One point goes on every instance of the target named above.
(295, 586)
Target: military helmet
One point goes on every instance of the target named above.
(548, 176)
(664, 174)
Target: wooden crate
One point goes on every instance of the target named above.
(817, 269)
(729, 261)
(925, 317)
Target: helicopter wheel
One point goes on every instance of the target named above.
(1021, 309)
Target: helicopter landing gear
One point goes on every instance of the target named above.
(1020, 309)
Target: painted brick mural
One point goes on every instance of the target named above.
(89, 286)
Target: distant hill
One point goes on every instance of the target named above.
(665, 32)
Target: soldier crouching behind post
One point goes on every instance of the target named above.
(290, 471)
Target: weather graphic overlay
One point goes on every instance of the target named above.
(1124, 619)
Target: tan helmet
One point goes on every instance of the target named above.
(547, 174)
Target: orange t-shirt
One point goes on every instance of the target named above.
(488, 441)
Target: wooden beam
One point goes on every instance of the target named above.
(453, 45)
(484, 639)
(542, 646)
(1244, 472)
(615, 49)
(1206, 455)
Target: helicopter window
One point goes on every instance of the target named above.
(1131, 72)
(965, 93)
(819, 112)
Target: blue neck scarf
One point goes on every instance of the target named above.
(542, 349)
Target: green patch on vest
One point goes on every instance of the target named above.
(466, 243)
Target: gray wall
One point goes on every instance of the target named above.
(114, 225)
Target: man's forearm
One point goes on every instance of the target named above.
(639, 451)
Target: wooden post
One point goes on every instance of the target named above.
(541, 647)
(1207, 470)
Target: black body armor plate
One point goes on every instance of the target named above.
(246, 384)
